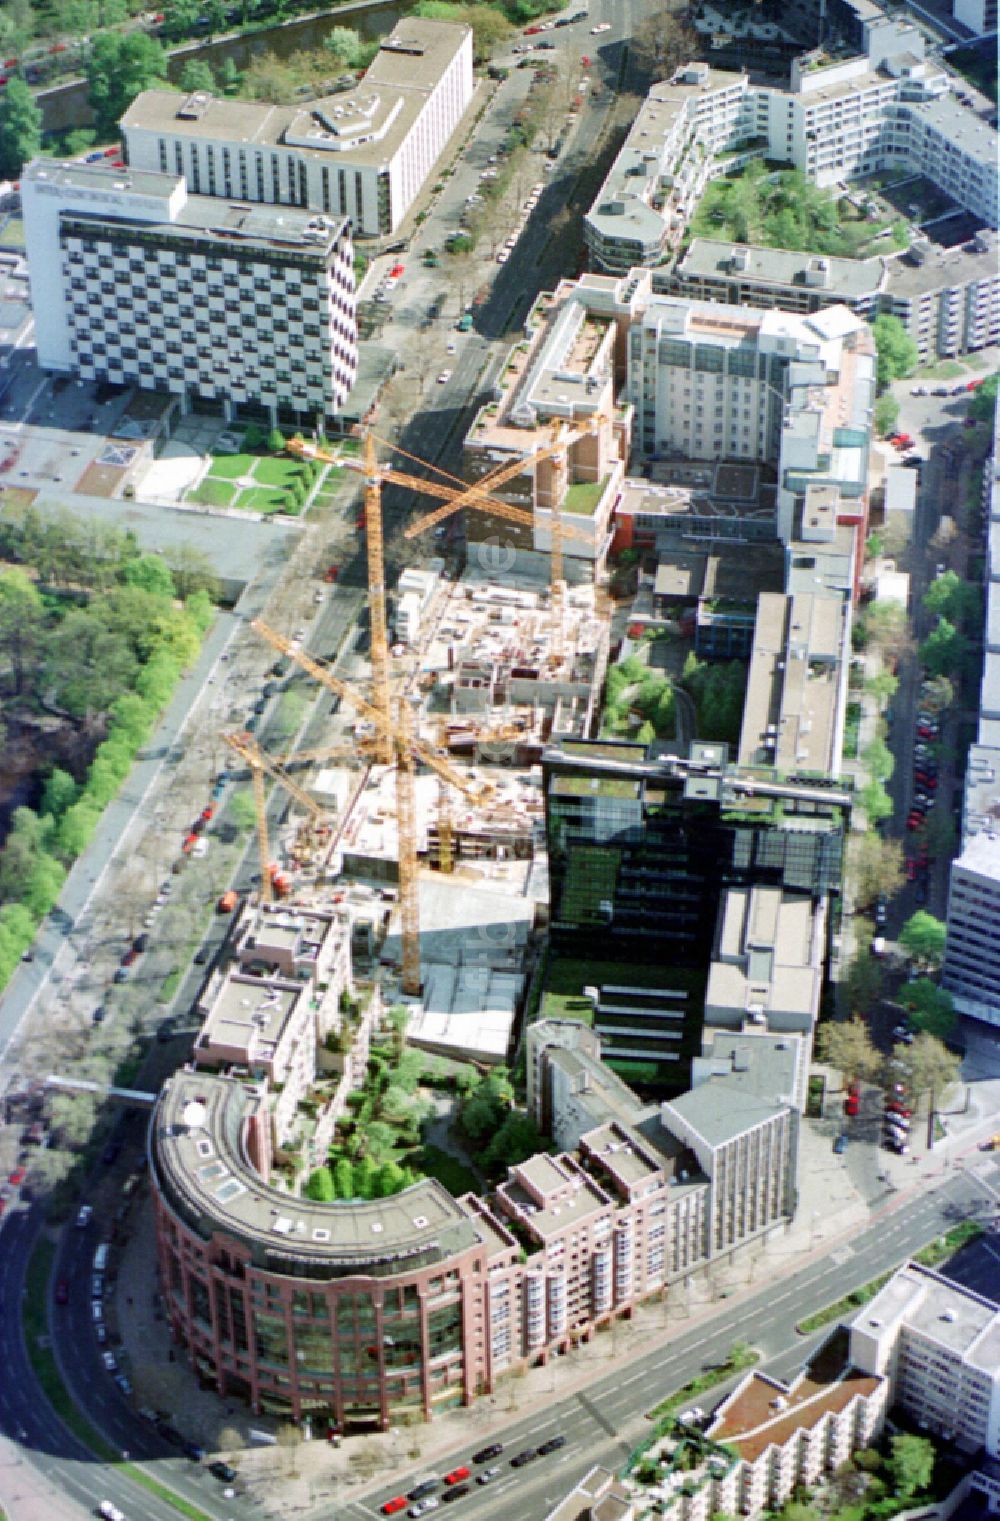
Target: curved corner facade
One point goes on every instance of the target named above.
(350, 1310)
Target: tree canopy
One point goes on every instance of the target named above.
(984, 399)
(896, 352)
(847, 1045)
(20, 128)
(931, 1008)
(929, 1066)
(923, 937)
(910, 1464)
(119, 66)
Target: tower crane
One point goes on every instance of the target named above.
(407, 750)
(261, 764)
(455, 498)
(478, 496)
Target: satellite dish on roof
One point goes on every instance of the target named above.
(195, 1114)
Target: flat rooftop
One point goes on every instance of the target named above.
(978, 259)
(387, 102)
(195, 217)
(248, 1018)
(838, 278)
(196, 1144)
(718, 1111)
(940, 1309)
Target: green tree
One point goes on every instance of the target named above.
(379, 1139)
(885, 625)
(517, 1139)
(276, 441)
(847, 1045)
(243, 811)
(76, 828)
(931, 1007)
(60, 792)
(20, 128)
(180, 17)
(879, 760)
(886, 414)
(320, 1186)
(883, 686)
(944, 649)
(896, 352)
(343, 1179)
(196, 76)
(22, 625)
(151, 574)
(982, 407)
(365, 1176)
(389, 1180)
(876, 866)
(345, 44)
(863, 982)
(875, 801)
(923, 937)
(941, 595)
(929, 1066)
(119, 66)
(910, 1464)
(229, 77)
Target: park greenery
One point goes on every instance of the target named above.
(383, 1145)
(929, 1007)
(93, 637)
(783, 209)
(640, 701)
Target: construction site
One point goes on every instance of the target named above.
(418, 824)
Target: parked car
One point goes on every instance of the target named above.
(485, 1454)
(552, 1445)
(840, 1144)
(528, 1455)
(457, 1475)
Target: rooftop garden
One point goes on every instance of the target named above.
(783, 209)
(584, 497)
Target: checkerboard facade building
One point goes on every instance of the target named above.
(135, 282)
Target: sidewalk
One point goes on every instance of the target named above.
(831, 1205)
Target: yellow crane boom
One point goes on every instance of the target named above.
(260, 765)
(408, 750)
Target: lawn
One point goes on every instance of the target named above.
(229, 467)
(946, 369)
(783, 210)
(584, 497)
(264, 499)
(213, 493)
(277, 470)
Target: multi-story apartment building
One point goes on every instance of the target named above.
(555, 404)
(273, 1016)
(365, 1310)
(939, 1345)
(837, 118)
(363, 154)
(765, 1440)
(133, 281)
(971, 966)
(794, 391)
(948, 299)
(972, 950)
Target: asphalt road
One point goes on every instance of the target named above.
(605, 1421)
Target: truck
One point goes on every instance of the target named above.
(464, 322)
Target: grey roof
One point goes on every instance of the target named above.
(197, 1150)
(200, 218)
(393, 92)
(720, 1110)
(848, 279)
(976, 260)
(962, 127)
(764, 1066)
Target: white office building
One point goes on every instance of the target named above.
(134, 281)
(731, 383)
(837, 118)
(972, 952)
(939, 1343)
(363, 154)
